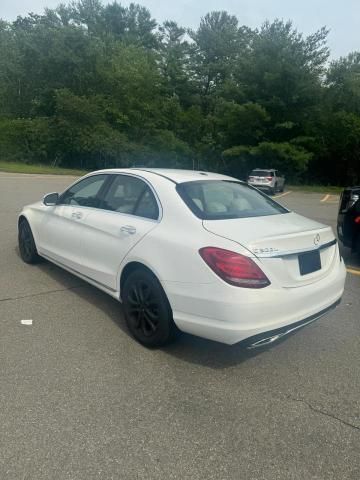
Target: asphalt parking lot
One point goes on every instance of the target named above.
(79, 399)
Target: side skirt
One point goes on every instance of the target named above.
(113, 293)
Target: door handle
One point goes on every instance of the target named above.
(128, 229)
(77, 215)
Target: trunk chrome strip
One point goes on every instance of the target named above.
(290, 253)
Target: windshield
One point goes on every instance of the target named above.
(261, 173)
(219, 199)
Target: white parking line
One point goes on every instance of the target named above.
(26, 322)
(283, 194)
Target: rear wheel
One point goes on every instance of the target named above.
(27, 245)
(147, 310)
(273, 190)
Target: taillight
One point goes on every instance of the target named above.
(234, 268)
(269, 178)
(357, 220)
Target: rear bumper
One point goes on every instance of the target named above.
(267, 338)
(262, 186)
(230, 315)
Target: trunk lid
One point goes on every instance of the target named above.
(278, 241)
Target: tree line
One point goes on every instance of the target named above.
(91, 85)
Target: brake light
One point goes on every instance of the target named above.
(269, 178)
(233, 268)
(357, 220)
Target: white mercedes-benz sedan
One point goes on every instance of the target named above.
(198, 252)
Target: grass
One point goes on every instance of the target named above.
(315, 189)
(17, 167)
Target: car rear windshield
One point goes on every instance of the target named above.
(261, 173)
(219, 200)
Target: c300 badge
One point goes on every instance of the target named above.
(266, 251)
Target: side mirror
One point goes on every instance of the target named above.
(51, 199)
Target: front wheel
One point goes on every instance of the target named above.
(27, 247)
(147, 310)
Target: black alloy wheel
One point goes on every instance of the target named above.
(27, 245)
(147, 310)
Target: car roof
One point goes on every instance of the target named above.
(172, 174)
(264, 170)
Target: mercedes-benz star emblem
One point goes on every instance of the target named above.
(317, 239)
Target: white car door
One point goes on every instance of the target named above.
(100, 237)
(58, 224)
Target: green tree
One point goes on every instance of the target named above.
(217, 44)
(283, 72)
(102, 84)
(343, 82)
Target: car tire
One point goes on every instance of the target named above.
(273, 190)
(147, 310)
(27, 247)
(282, 188)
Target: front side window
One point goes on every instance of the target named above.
(84, 193)
(219, 200)
(132, 196)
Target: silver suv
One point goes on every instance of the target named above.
(268, 179)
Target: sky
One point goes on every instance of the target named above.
(341, 17)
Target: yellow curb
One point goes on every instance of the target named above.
(283, 194)
(324, 199)
(354, 272)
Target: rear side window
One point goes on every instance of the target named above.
(132, 196)
(219, 200)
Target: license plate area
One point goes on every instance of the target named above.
(309, 262)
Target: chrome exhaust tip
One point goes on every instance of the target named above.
(264, 341)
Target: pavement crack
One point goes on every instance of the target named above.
(322, 412)
(10, 299)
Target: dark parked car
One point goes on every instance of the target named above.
(348, 225)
